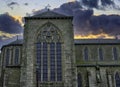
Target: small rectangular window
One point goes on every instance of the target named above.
(86, 54)
(115, 55)
(100, 54)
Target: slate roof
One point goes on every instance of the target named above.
(80, 41)
(50, 14)
(14, 43)
(97, 41)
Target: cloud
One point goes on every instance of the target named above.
(69, 8)
(26, 4)
(107, 2)
(90, 3)
(12, 4)
(97, 36)
(108, 23)
(9, 24)
(100, 4)
(87, 24)
(4, 35)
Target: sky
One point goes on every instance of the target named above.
(93, 19)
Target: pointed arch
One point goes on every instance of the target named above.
(49, 54)
(117, 79)
(79, 80)
(49, 33)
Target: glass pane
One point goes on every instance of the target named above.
(45, 62)
(59, 62)
(38, 66)
(115, 53)
(86, 53)
(16, 56)
(100, 54)
(117, 78)
(7, 56)
(79, 80)
(52, 61)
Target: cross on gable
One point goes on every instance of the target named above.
(48, 7)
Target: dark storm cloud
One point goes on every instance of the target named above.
(109, 24)
(90, 3)
(99, 4)
(69, 8)
(107, 2)
(85, 22)
(9, 24)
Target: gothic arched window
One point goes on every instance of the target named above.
(49, 54)
(86, 56)
(117, 79)
(79, 80)
(16, 59)
(100, 53)
(7, 56)
(115, 56)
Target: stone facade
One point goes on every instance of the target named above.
(85, 63)
(94, 71)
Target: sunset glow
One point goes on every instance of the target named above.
(92, 36)
(19, 19)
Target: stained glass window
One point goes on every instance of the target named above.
(7, 56)
(100, 54)
(115, 56)
(59, 62)
(86, 53)
(38, 74)
(16, 56)
(49, 54)
(45, 62)
(117, 79)
(52, 61)
(79, 80)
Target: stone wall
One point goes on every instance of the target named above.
(93, 68)
(12, 77)
(32, 29)
(89, 76)
(107, 50)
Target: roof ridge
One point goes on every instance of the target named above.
(50, 13)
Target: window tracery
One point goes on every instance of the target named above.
(49, 33)
(49, 54)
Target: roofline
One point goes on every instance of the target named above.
(11, 45)
(67, 17)
(97, 41)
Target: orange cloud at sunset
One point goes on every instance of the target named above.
(19, 19)
(92, 36)
(5, 35)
